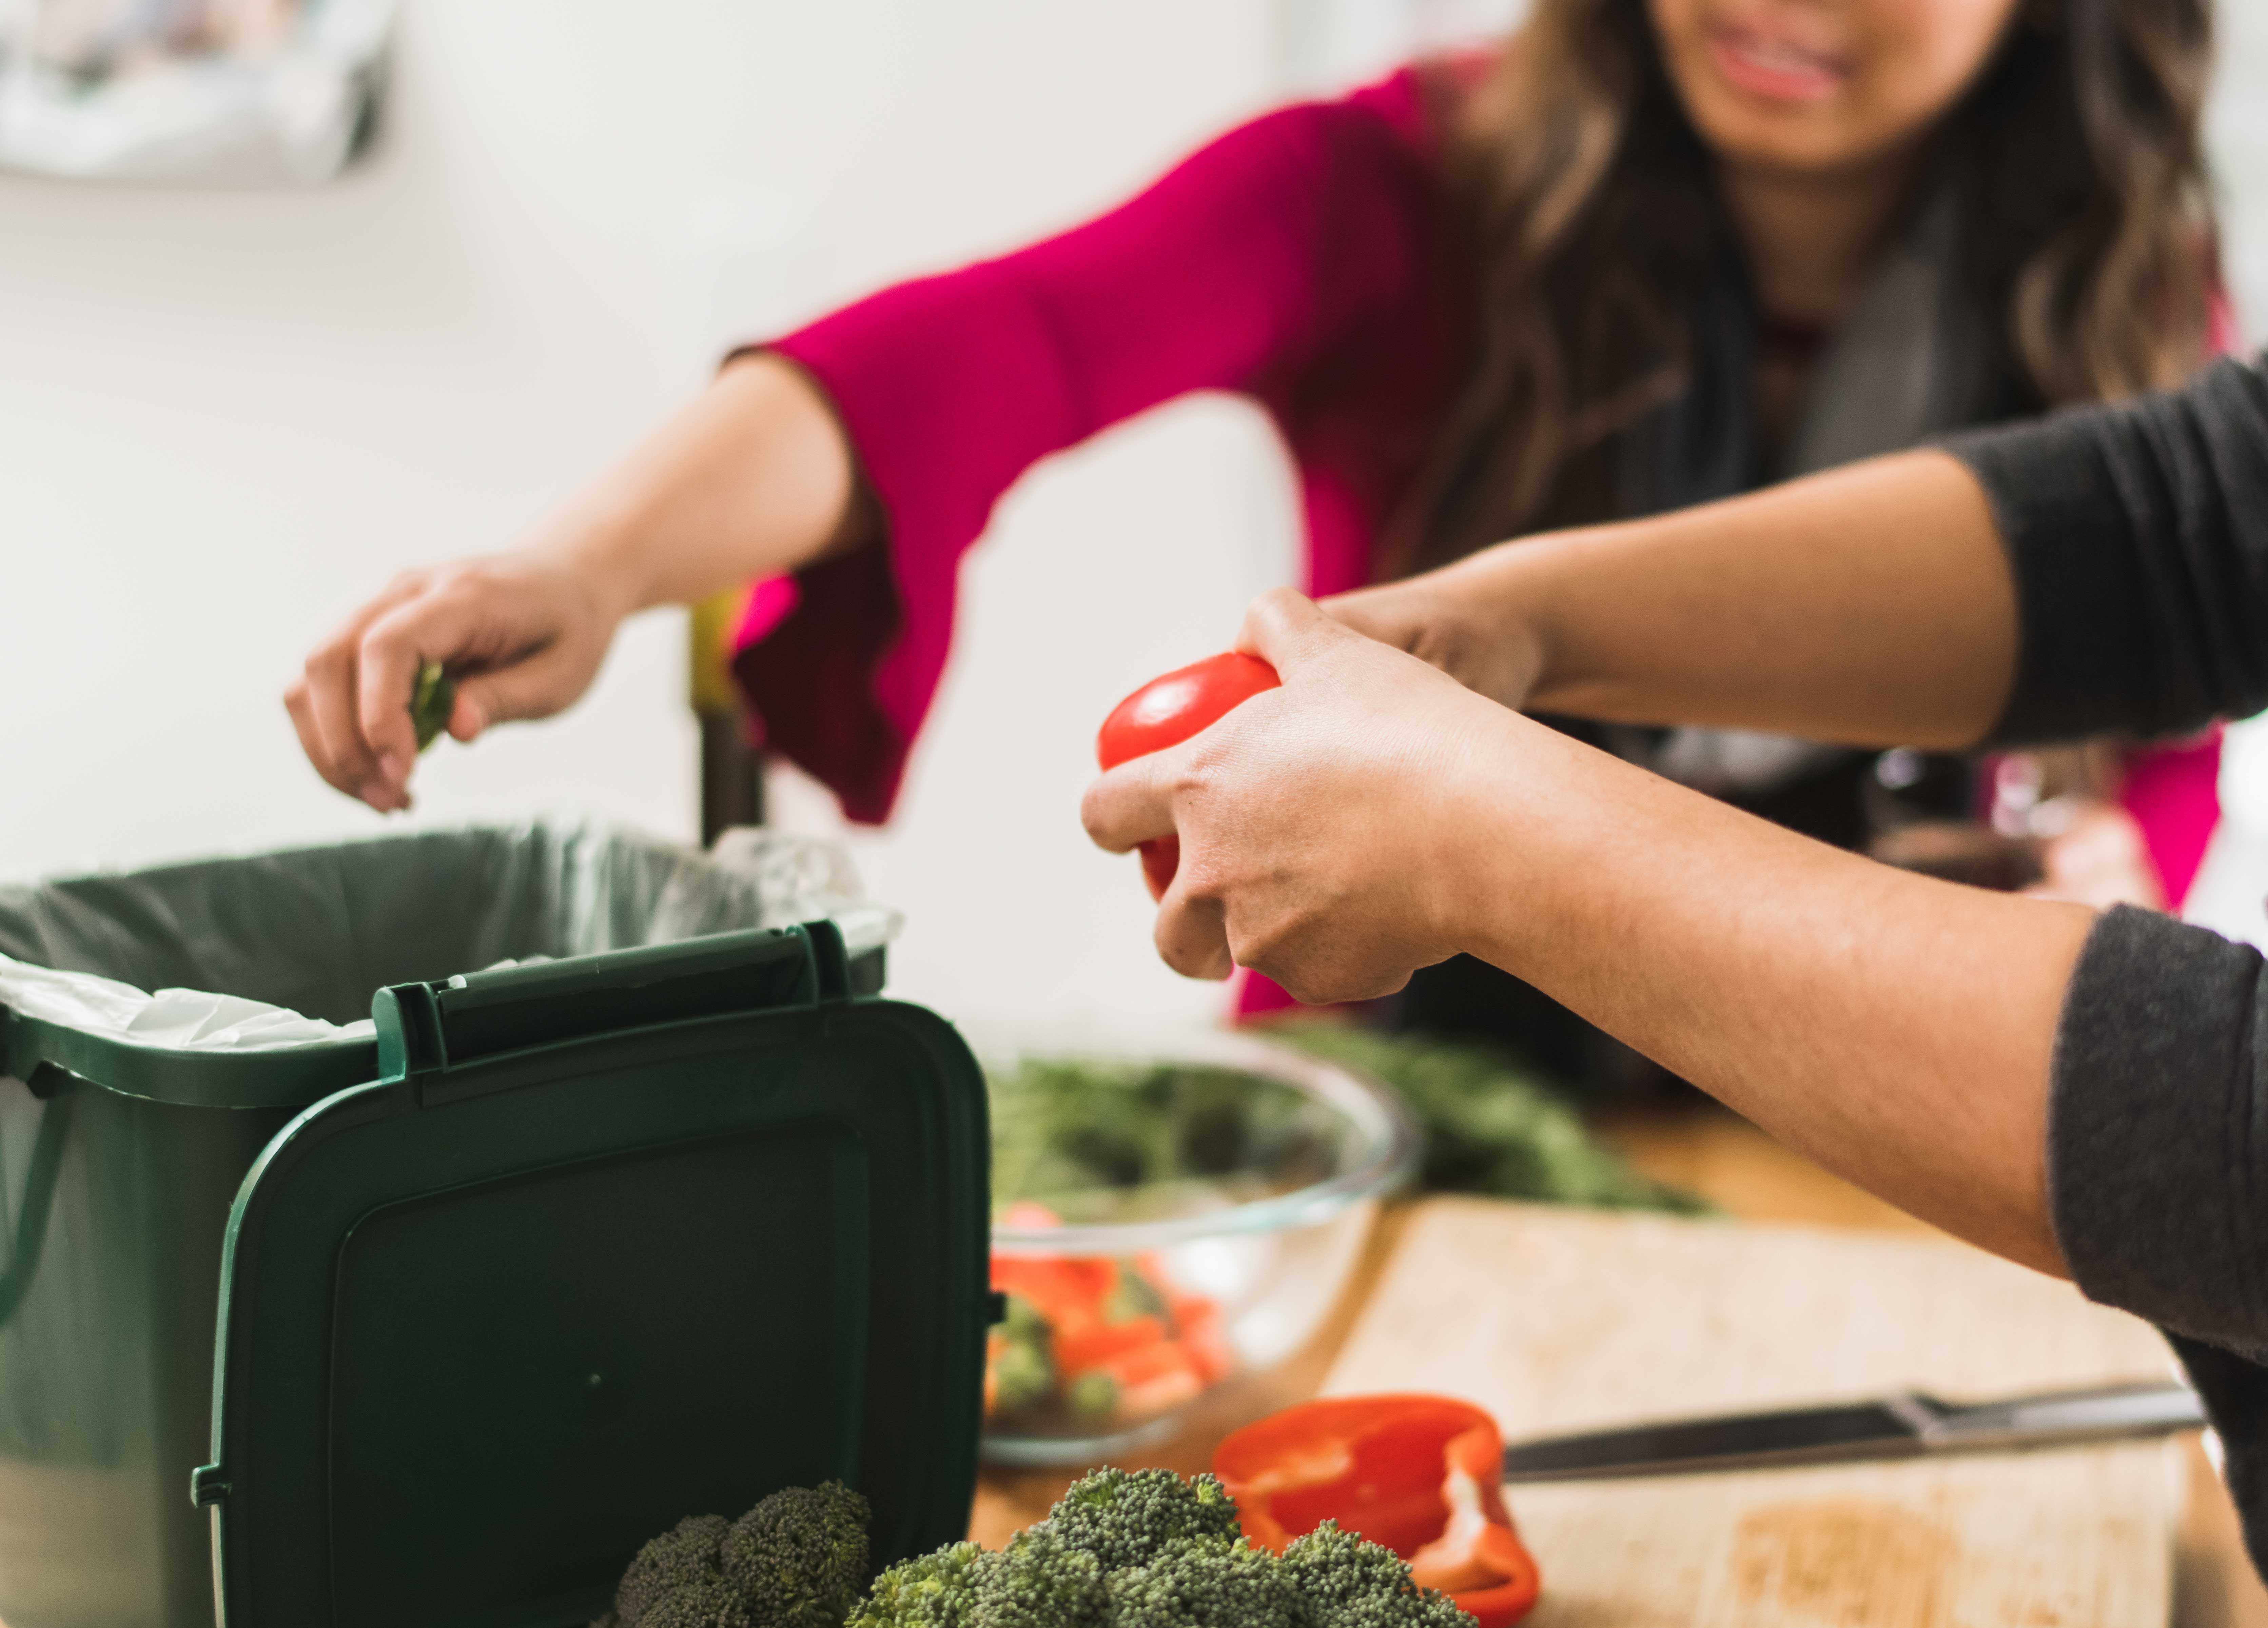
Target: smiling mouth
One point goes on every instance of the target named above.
(1766, 66)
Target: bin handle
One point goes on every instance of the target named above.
(39, 1183)
(427, 1029)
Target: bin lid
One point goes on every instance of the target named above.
(612, 1241)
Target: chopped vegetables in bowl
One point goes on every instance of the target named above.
(1167, 1218)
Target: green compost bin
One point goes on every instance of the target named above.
(441, 1322)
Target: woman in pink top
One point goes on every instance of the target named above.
(1652, 252)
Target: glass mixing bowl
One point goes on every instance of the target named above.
(1173, 1220)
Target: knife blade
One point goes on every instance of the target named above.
(1907, 1425)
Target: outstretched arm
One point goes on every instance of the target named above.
(2105, 570)
(900, 421)
(753, 478)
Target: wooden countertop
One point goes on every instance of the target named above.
(1715, 1153)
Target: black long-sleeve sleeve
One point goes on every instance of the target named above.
(2138, 536)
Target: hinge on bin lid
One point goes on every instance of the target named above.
(409, 1039)
(207, 1485)
(829, 959)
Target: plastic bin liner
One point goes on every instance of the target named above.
(284, 950)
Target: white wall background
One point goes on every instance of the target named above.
(226, 418)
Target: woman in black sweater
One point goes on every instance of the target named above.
(2085, 1093)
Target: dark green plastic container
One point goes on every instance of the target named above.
(573, 1250)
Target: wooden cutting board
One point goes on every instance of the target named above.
(1556, 1320)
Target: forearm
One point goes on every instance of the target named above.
(1871, 604)
(2115, 581)
(1897, 1029)
(752, 478)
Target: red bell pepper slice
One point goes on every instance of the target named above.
(1415, 1473)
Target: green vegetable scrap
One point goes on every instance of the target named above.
(798, 1559)
(1492, 1125)
(1144, 1549)
(432, 700)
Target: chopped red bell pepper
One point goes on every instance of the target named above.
(1204, 1334)
(1066, 1288)
(1418, 1474)
(1079, 1349)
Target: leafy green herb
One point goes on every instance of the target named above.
(1103, 1140)
(1109, 1140)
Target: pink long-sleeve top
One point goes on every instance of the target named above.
(1304, 260)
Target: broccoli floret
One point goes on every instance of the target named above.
(1144, 1549)
(683, 1557)
(933, 1590)
(1344, 1581)
(796, 1560)
(799, 1558)
(1127, 1517)
(706, 1604)
(1038, 1581)
(1092, 1394)
(1202, 1582)
(1025, 1370)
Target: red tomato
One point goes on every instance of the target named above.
(1165, 712)
(1418, 1474)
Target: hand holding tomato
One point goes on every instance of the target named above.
(1336, 831)
(1165, 712)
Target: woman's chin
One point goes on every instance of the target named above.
(1795, 140)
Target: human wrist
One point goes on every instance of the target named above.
(1472, 822)
(1502, 599)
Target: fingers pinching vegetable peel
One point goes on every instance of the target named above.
(1165, 712)
(432, 700)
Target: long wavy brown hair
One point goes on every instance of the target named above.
(1593, 221)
